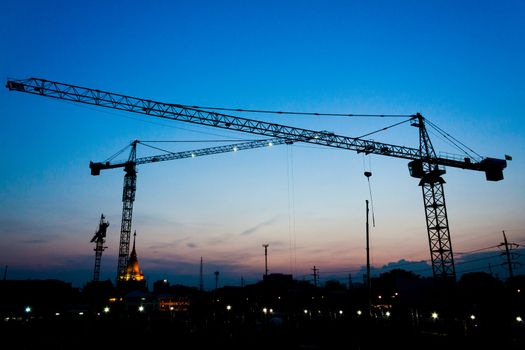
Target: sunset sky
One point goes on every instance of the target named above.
(459, 63)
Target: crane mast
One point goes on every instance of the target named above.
(435, 209)
(130, 183)
(99, 238)
(424, 163)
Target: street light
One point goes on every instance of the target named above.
(434, 315)
(141, 308)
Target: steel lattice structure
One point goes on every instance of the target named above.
(99, 238)
(424, 162)
(130, 182)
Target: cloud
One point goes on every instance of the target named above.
(255, 228)
(171, 244)
(191, 245)
(35, 241)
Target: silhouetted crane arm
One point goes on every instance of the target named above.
(96, 167)
(202, 117)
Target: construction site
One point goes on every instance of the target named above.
(262, 174)
(279, 308)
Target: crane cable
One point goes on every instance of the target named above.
(291, 210)
(117, 154)
(453, 140)
(295, 112)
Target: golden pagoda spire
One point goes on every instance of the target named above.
(133, 272)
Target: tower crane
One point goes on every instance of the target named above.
(130, 182)
(424, 163)
(99, 239)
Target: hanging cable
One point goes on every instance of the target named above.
(291, 210)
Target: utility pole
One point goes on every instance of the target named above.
(216, 273)
(201, 280)
(368, 279)
(316, 275)
(265, 259)
(508, 248)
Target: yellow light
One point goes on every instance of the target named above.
(519, 319)
(106, 309)
(434, 315)
(228, 307)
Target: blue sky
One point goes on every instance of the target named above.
(460, 64)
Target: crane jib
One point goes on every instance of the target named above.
(492, 167)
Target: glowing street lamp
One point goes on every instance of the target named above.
(228, 307)
(434, 315)
(106, 309)
(28, 309)
(141, 308)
